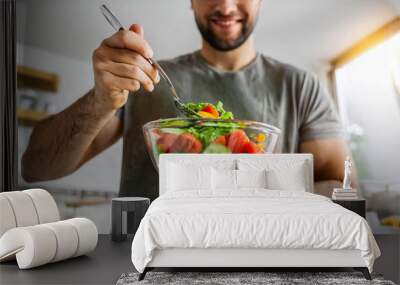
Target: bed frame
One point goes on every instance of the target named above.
(233, 259)
(242, 259)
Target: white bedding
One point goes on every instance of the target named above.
(250, 218)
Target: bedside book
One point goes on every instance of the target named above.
(344, 198)
(345, 194)
(341, 190)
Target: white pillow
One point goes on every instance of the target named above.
(293, 178)
(224, 179)
(227, 179)
(188, 177)
(282, 174)
(251, 179)
(224, 164)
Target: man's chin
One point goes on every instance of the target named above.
(227, 40)
(224, 41)
(227, 45)
(227, 37)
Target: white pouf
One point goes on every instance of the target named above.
(37, 245)
(33, 246)
(7, 220)
(30, 230)
(87, 233)
(46, 207)
(67, 239)
(23, 208)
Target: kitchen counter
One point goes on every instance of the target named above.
(102, 266)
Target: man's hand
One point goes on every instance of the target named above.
(329, 157)
(120, 66)
(63, 142)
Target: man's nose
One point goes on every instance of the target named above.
(226, 7)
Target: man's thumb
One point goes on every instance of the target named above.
(136, 28)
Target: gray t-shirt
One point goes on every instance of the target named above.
(265, 91)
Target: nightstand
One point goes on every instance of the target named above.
(357, 206)
(135, 208)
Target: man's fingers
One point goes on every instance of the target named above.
(130, 57)
(129, 40)
(131, 72)
(138, 29)
(116, 83)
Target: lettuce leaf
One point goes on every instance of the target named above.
(207, 131)
(224, 115)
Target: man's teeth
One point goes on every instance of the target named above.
(226, 23)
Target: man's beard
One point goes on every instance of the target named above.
(212, 39)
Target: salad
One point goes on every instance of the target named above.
(221, 134)
(207, 110)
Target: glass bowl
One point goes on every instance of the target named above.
(185, 135)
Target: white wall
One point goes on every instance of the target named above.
(395, 4)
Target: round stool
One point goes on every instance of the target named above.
(134, 208)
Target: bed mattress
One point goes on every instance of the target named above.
(250, 219)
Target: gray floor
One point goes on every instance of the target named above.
(103, 266)
(389, 263)
(106, 264)
(110, 260)
(388, 240)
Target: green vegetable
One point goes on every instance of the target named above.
(196, 106)
(174, 123)
(175, 131)
(224, 115)
(217, 148)
(221, 124)
(209, 134)
(205, 131)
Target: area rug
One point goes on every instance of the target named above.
(244, 278)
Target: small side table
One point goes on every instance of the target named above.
(357, 206)
(135, 208)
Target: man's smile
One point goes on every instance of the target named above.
(226, 24)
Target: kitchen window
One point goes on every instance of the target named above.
(367, 85)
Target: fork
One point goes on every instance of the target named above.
(116, 24)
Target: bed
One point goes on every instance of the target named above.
(247, 211)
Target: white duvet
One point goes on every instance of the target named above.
(250, 219)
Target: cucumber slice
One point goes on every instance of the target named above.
(216, 148)
(175, 131)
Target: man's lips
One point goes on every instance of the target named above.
(226, 23)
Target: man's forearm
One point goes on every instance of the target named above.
(59, 144)
(329, 157)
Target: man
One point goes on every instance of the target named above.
(227, 68)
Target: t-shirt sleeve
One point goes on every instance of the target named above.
(319, 118)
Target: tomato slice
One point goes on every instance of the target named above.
(211, 110)
(220, 140)
(186, 143)
(165, 141)
(251, 147)
(237, 140)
